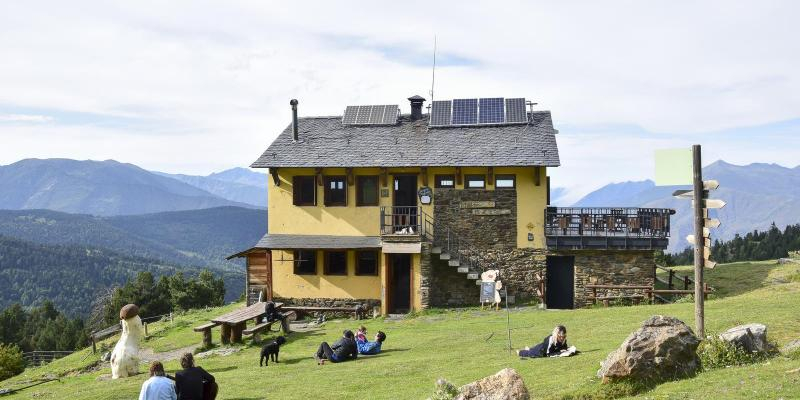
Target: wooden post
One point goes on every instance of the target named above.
(236, 336)
(145, 329)
(699, 296)
(671, 275)
(594, 295)
(226, 333)
(207, 338)
(686, 282)
(94, 345)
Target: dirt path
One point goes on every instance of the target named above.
(147, 355)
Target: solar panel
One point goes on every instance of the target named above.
(465, 111)
(441, 111)
(390, 115)
(515, 111)
(491, 111)
(376, 115)
(349, 116)
(364, 113)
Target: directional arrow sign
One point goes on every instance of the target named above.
(710, 184)
(687, 194)
(690, 239)
(706, 232)
(712, 223)
(712, 203)
(710, 264)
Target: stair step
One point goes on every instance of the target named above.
(454, 263)
(436, 250)
(472, 275)
(444, 256)
(463, 270)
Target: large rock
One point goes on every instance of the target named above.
(664, 348)
(750, 337)
(504, 385)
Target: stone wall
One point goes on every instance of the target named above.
(609, 267)
(367, 304)
(483, 218)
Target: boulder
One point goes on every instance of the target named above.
(751, 337)
(664, 348)
(504, 385)
(792, 346)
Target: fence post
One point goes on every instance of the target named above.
(686, 282)
(94, 345)
(671, 275)
(145, 329)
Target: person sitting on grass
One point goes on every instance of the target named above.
(372, 347)
(553, 345)
(194, 383)
(344, 349)
(158, 387)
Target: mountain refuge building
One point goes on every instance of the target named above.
(401, 212)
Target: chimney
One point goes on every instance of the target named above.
(293, 102)
(416, 107)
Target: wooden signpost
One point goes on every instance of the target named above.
(702, 233)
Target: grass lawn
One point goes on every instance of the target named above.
(463, 346)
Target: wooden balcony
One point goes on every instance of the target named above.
(607, 228)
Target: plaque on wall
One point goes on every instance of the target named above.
(384, 192)
(425, 195)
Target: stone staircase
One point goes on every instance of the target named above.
(451, 248)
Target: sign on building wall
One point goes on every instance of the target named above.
(425, 195)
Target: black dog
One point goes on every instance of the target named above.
(271, 350)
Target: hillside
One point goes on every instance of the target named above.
(98, 188)
(237, 184)
(756, 195)
(72, 275)
(197, 237)
(421, 349)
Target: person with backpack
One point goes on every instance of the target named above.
(194, 383)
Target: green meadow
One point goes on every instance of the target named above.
(465, 345)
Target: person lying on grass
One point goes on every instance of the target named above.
(553, 345)
(344, 349)
(365, 347)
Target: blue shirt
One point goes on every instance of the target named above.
(158, 388)
(369, 347)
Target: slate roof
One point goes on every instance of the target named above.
(284, 242)
(325, 142)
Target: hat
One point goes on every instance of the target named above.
(128, 311)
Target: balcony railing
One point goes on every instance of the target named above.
(607, 227)
(405, 220)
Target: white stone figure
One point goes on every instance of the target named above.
(491, 276)
(125, 357)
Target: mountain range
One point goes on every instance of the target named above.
(107, 188)
(756, 195)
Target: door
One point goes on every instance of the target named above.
(560, 291)
(399, 283)
(405, 204)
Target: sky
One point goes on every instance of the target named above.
(196, 87)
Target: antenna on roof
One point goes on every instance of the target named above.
(433, 73)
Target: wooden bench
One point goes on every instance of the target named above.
(206, 329)
(358, 311)
(265, 327)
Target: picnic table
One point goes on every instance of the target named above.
(234, 322)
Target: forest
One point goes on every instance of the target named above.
(754, 246)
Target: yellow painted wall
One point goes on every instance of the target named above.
(351, 286)
(286, 218)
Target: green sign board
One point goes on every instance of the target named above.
(673, 167)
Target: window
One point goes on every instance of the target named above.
(304, 191)
(336, 263)
(305, 262)
(367, 263)
(367, 191)
(505, 181)
(475, 181)
(445, 181)
(335, 191)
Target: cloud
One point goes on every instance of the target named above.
(194, 87)
(24, 118)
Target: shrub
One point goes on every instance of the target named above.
(444, 390)
(717, 353)
(11, 361)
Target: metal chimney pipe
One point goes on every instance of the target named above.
(293, 102)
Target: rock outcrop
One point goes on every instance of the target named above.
(664, 348)
(751, 337)
(504, 385)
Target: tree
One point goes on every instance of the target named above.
(11, 361)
